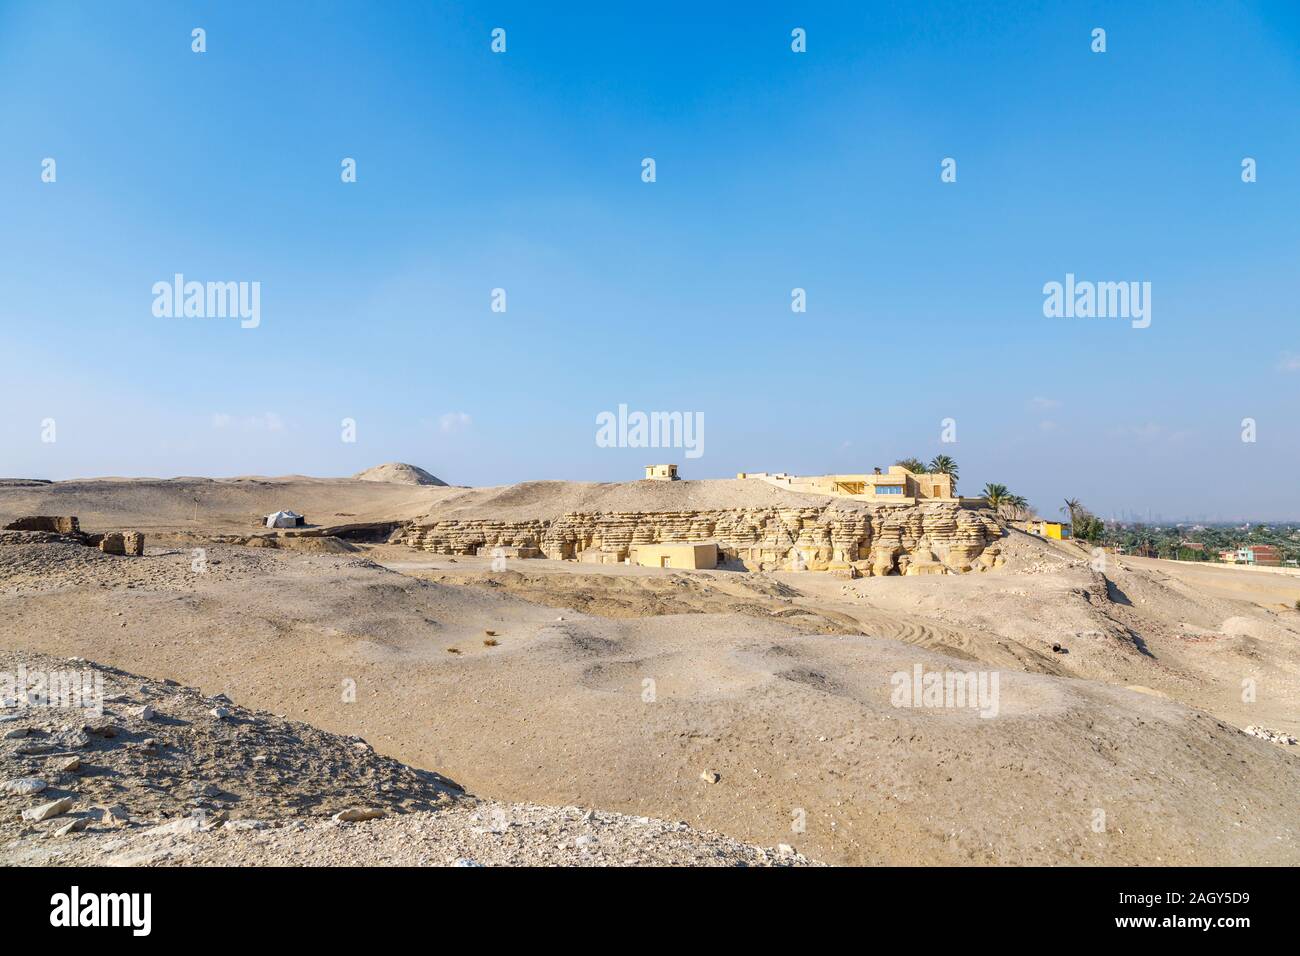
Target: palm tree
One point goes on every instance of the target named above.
(1072, 508)
(1018, 505)
(914, 465)
(943, 465)
(996, 495)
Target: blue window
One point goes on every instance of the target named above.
(889, 489)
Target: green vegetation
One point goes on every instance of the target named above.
(943, 465)
(1084, 525)
(1018, 507)
(1005, 504)
(996, 496)
(939, 465)
(1174, 540)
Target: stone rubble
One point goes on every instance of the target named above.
(1272, 736)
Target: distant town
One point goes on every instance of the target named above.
(1268, 545)
(1265, 545)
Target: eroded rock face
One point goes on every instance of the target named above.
(934, 538)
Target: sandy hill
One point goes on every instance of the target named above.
(399, 473)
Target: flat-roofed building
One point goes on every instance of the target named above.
(687, 556)
(897, 485)
(1264, 555)
(1057, 530)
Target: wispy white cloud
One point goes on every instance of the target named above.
(1042, 403)
(1151, 433)
(267, 421)
(1290, 362)
(454, 422)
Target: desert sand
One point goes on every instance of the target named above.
(755, 705)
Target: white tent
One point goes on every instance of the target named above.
(284, 519)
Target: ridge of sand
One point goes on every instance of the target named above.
(552, 499)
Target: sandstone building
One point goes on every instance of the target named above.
(688, 555)
(897, 486)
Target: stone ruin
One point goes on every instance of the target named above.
(68, 528)
(933, 538)
(54, 525)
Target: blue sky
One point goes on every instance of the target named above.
(775, 170)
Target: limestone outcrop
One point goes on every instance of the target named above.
(932, 538)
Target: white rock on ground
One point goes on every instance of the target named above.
(49, 810)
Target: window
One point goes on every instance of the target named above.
(889, 489)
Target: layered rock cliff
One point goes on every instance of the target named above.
(930, 538)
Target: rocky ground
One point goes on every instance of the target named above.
(157, 773)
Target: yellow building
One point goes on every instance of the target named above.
(684, 556)
(661, 472)
(898, 485)
(1060, 530)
